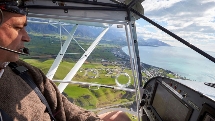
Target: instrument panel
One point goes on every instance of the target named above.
(167, 99)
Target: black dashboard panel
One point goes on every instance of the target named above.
(174, 100)
(168, 106)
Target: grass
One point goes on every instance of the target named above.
(171, 75)
(123, 79)
(41, 46)
(82, 95)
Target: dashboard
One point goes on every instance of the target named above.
(167, 99)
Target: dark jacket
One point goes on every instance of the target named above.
(20, 102)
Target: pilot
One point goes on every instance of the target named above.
(25, 92)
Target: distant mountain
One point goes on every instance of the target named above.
(152, 42)
(113, 36)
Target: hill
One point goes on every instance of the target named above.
(113, 36)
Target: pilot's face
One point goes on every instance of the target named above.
(12, 36)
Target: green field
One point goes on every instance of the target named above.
(48, 46)
(82, 95)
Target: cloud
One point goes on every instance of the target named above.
(193, 20)
(153, 5)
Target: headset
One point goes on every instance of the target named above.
(14, 6)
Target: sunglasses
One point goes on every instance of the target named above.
(17, 6)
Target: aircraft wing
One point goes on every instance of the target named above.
(90, 12)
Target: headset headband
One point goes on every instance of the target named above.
(16, 6)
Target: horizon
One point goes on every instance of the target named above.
(192, 20)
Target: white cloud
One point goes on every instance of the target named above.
(152, 5)
(193, 20)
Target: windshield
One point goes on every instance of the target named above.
(192, 20)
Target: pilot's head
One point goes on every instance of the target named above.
(12, 29)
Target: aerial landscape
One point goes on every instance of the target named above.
(111, 60)
(106, 64)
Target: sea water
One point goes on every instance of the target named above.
(183, 61)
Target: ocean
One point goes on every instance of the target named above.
(183, 61)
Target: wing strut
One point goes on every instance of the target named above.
(77, 66)
(60, 55)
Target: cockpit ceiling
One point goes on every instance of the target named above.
(99, 11)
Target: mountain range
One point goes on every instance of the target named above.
(113, 35)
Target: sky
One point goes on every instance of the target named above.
(192, 20)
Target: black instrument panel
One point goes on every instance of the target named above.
(169, 100)
(168, 106)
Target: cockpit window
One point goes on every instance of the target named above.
(193, 21)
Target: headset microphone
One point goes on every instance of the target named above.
(25, 51)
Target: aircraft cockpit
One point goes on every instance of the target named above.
(160, 94)
(166, 99)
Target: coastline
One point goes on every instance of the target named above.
(148, 71)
